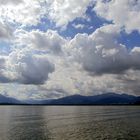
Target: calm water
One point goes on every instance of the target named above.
(69, 123)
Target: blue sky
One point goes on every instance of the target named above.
(90, 24)
(45, 43)
(130, 40)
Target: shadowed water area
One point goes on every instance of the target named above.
(69, 123)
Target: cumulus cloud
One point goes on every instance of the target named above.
(49, 41)
(21, 11)
(30, 12)
(30, 68)
(31, 61)
(64, 11)
(34, 70)
(86, 61)
(100, 53)
(125, 13)
(54, 66)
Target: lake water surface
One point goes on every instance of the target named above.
(69, 122)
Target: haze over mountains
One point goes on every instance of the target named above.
(8, 100)
(102, 99)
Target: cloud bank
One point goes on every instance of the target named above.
(43, 63)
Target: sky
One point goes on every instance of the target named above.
(56, 48)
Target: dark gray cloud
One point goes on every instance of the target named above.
(25, 68)
(4, 79)
(33, 70)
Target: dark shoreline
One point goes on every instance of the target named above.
(69, 104)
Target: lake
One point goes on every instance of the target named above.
(69, 122)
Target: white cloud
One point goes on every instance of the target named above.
(64, 11)
(14, 2)
(124, 13)
(86, 63)
(49, 41)
(78, 26)
(34, 70)
(5, 31)
(53, 66)
(4, 74)
(26, 12)
(100, 53)
(29, 68)
(23, 11)
(32, 57)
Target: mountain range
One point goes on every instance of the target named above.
(102, 99)
(8, 100)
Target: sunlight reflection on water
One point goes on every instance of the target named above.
(69, 123)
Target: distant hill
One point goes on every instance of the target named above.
(137, 101)
(8, 100)
(102, 99)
